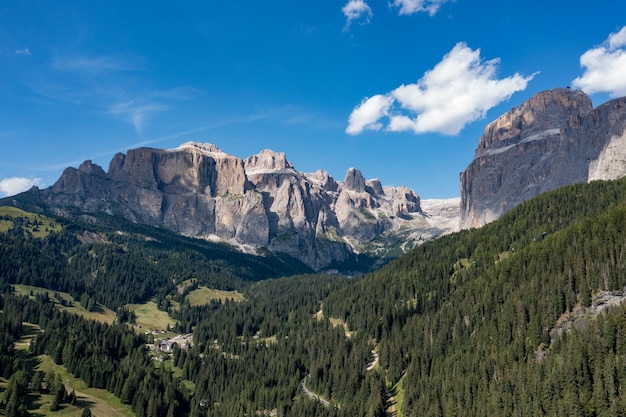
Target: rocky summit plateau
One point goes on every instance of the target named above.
(258, 202)
(555, 138)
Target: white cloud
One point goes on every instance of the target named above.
(16, 185)
(356, 10)
(605, 67)
(618, 40)
(408, 7)
(24, 51)
(136, 113)
(368, 114)
(458, 90)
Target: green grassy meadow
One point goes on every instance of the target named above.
(64, 301)
(38, 225)
(101, 402)
(149, 317)
(204, 295)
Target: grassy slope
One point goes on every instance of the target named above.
(149, 317)
(101, 402)
(204, 295)
(101, 313)
(47, 225)
(397, 391)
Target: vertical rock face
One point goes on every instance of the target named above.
(554, 139)
(189, 168)
(609, 133)
(354, 181)
(197, 189)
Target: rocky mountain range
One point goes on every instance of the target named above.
(554, 139)
(258, 202)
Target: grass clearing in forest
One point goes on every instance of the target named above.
(101, 402)
(150, 318)
(335, 322)
(397, 399)
(338, 322)
(38, 225)
(168, 365)
(65, 302)
(29, 331)
(39, 404)
(204, 295)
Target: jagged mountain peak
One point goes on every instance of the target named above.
(268, 160)
(374, 187)
(198, 190)
(323, 179)
(354, 180)
(89, 167)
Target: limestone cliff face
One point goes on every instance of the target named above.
(609, 121)
(554, 139)
(198, 190)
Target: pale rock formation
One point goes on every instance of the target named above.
(554, 139)
(199, 190)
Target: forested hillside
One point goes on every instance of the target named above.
(463, 325)
(465, 321)
(115, 262)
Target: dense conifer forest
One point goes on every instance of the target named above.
(471, 324)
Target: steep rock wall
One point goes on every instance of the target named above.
(554, 139)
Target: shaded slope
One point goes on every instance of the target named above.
(465, 316)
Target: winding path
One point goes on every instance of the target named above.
(315, 396)
(374, 361)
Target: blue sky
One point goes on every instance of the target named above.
(401, 89)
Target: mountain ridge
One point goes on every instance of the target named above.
(555, 138)
(198, 190)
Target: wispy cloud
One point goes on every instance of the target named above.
(360, 11)
(177, 135)
(112, 85)
(24, 51)
(605, 67)
(458, 90)
(408, 7)
(136, 113)
(98, 64)
(16, 185)
(176, 93)
(356, 10)
(61, 165)
(271, 114)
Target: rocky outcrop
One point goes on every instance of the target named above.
(554, 139)
(198, 190)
